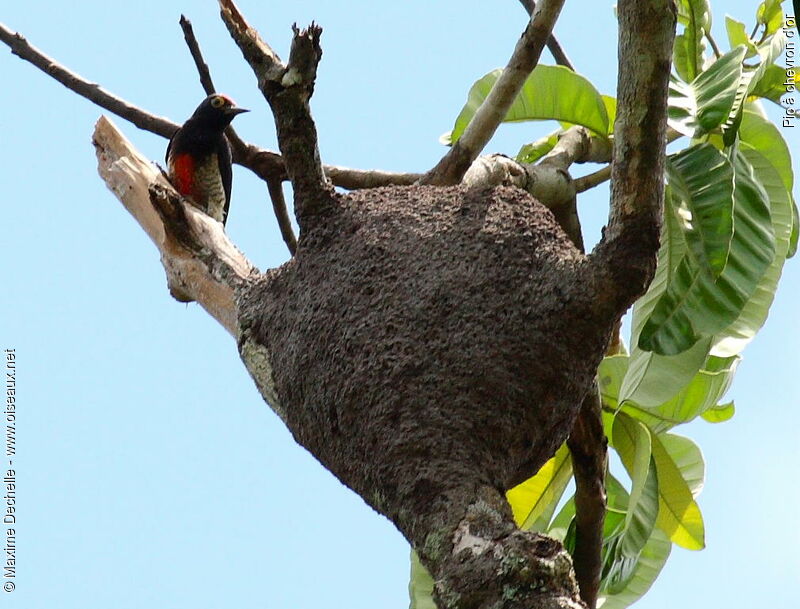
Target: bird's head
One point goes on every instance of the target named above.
(217, 110)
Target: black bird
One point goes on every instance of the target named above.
(199, 156)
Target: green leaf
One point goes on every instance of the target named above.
(766, 138)
(688, 458)
(631, 439)
(770, 86)
(678, 514)
(737, 35)
(610, 104)
(420, 586)
(560, 526)
(701, 394)
(684, 58)
(550, 92)
(531, 499)
(530, 153)
(719, 413)
(609, 378)
(770, 14)
(652, 379)
(795, 227)
(694, 304)
(732, 339)
(716, 89)
(651, 560)
(768, 51)
(702, 185)
(695, 16)
(708, 100)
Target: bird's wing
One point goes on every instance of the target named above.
(225, 172)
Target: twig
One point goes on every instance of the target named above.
(197, 56)
(452, 167)
(593, 179)
(91, 91)
(588, 447)
(555, 48)
(288, 89)
(275, 188)
(714, 46)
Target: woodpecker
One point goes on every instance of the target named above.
(199, 156)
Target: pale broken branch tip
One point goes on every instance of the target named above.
(207, 268)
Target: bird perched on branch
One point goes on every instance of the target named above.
(199, 156)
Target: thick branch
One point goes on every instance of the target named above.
(588, 447)
(202, 264)
(288, 89)
(628, 250)
(645, 51)
(452, 167)
(553, 45)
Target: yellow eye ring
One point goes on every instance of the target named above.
(217, 102)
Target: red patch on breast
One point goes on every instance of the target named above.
(181, 169)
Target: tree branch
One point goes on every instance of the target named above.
(555, 48)
(591, 180)
(275, 188)
(356, 179)
(91, 91)
(628, 250)
(197, 55)
(588, 447)
(202, 264)
(452, 167)
(288, 89)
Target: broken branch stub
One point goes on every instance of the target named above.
(201, 263)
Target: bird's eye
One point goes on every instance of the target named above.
(218, 102)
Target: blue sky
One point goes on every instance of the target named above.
(150, 472)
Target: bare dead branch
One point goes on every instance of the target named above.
(256, 52)
(212, 277)
(275, 188)
(91, 91)
(288, 89)
(452, 167)
(555, 48)
(588, 447)
(356, 179)
(197, 55)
